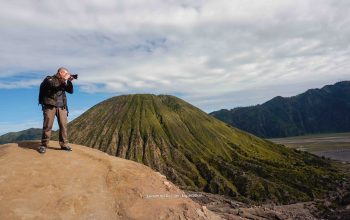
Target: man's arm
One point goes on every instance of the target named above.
(55, 84)
(69, 87)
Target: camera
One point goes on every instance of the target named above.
(75, 76)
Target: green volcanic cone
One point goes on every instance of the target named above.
(198, 152)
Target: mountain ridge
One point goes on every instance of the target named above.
(324, 110)
(28, 134)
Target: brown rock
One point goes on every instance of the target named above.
(85, 184)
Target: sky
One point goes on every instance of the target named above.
(214, 54)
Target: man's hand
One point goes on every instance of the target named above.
(67, 76)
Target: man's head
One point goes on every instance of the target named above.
(63, 73)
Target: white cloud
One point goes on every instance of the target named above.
(212, 52)
(6, 127)
(19, 84)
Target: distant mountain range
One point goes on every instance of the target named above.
(199, 152)
(29, 134)
(325, 110)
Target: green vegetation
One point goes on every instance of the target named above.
(29, 134)
(324, 110)
(199, 152)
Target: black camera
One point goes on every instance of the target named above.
(75, 76)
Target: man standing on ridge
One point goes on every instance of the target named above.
(53, 99)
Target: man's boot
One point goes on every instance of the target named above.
(66, 148)
(42, 149)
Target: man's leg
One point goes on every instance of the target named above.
(62, 119)
(49, 117)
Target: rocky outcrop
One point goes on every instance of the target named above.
(86, 184)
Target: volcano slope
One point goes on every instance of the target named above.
(198, 152)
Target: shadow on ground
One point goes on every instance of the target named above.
(34, 145)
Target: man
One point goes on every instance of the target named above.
(53, 99)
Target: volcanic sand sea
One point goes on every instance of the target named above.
(341, 155)
(334, 145)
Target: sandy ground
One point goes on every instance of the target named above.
(86, 184)
(335, 146)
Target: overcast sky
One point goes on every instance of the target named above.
(213, 54)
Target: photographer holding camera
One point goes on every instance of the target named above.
(53, 99)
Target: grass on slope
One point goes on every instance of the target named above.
(199, 152)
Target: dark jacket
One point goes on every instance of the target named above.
(51, 87)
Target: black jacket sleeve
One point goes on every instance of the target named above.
(56, 85)
(69, 87)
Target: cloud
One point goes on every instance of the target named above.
(6, 127)
(211, 52)
(19, 84)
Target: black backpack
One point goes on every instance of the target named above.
(43, 89)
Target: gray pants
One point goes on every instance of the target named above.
(49, 113)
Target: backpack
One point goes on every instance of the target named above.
(43, 89)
